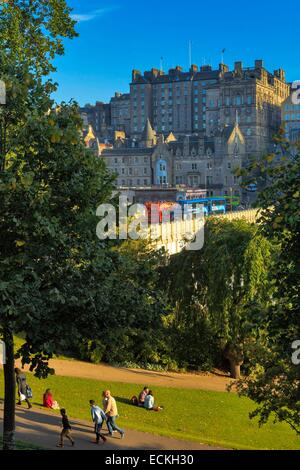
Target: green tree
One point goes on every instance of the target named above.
(50, 186)
(225, 282)
(130, 321)
(274, 380)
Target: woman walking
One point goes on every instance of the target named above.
(22, 387)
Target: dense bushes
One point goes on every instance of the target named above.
(194, 311)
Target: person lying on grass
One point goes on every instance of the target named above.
(149, 403)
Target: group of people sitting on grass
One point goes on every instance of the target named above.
(146, 400)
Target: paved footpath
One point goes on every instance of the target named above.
(42, 429)
(215, 382)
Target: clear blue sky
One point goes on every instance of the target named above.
(119, 35)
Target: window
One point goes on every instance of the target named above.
(209, 166)
(238, 100)
(227, 101)
(249, 99)
(145, 182)
(194, 166)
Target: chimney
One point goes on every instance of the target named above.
(259, 64)
(280, 73)
(155, 72)
(223, 68)
(194, 69)
(206, 68)
(238, 66)
(135, 74)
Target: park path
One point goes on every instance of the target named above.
(72, 368)
(42, 429)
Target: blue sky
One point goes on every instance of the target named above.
(119, 35)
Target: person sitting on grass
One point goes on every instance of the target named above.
(143, 395)
(48, 400)
(139, 401)
(66, 431)
(98, 417)
(149, 403)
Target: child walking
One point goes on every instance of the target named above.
(66, 431)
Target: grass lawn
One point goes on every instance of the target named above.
(24, 446)
(214, 418)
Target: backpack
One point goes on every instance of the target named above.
(29, 392)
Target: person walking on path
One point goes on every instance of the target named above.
(22, 387)
(66, 431)
(111, 412)
(98, 417)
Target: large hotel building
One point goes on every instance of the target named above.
(206, 100)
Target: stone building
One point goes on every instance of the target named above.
(207, 100)
(120, 112)
(195, 161)
(97, 116)
(290, 112)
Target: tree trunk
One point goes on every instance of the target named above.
(235, 369)
(10, 393)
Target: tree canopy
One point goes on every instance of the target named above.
(274, 382)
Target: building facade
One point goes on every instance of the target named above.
(192, 161)
(291, 119)
(97, 116)
(207, 100)
(120, 112)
